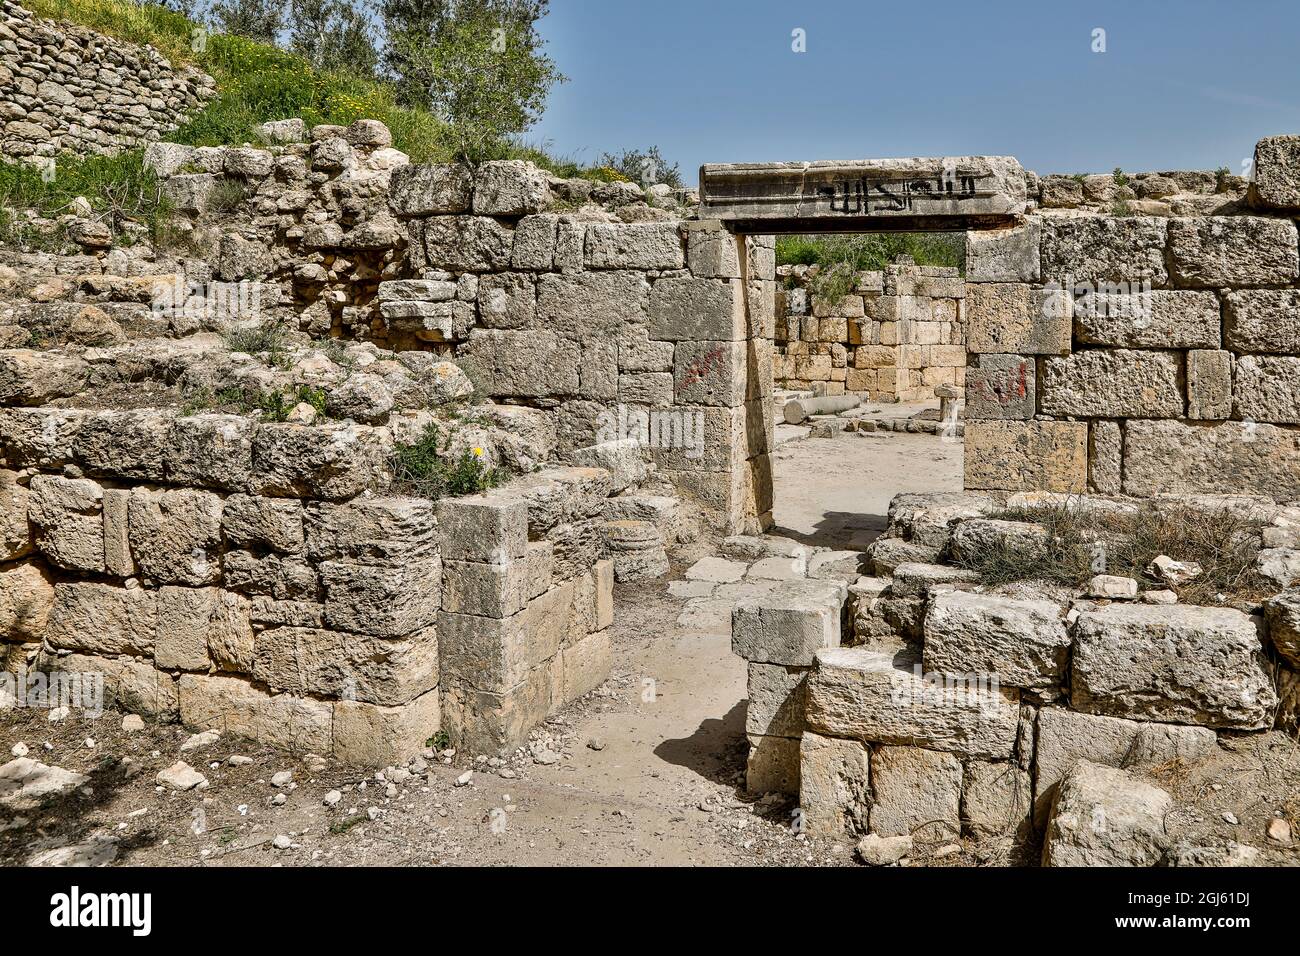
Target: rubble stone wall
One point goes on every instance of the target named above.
(64, 88)
(896, 336)
(1140, 354)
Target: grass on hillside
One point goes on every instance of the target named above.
(1081, 543)
(872, 251)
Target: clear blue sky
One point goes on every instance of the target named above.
(1182, 85)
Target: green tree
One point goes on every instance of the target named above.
(476, 64)
(260, 20)
(334, 35)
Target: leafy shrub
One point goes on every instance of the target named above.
(874, 250)
(423, 468)
(647, 168)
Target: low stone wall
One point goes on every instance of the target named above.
(1141, 354)
(895, 337)
(64, 88)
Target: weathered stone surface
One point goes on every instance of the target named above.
(1004, 255)
(66, 515)
(1102, 248)
(522, 364)
(184, 616)
(875, 850)
(371, 530)
(507, 300)
(927, 518)
(1276, 173)
(39, 436)
(883, 696)
(15, 536)
(687, 308)
(972, 537)
(384, 601)
(591, 303)
(26, 783)
(327, 663)
(235, 706)
(1209, 384)
(710, 373)
(464, 243)
(285, 578)
(213, 451)
(422, 189)
(1267, 389)
(646, 245)
(1014, 318)
(921, 187)
(1170, 457)
(1232, 250)
(914, 579)
(491, 528)
(1019, 643)
(130, 684)
(370, 735)
(125, 444)
(272, 523)
(775, 700)
(509, 187)
(29, 377)
(1066, 736)
(1113, 383)
(1179, 664)
(487, 721)
(1105, 817)
(102, 619)
(711, 251)
(494, 654)
(175, 534)
(834, 785)
(1283, 615)
(916, 793)
(773, 765)
(1148, 319)
(584, 665)
(328, 461)
(1027, 456)
(789, 625)
(1262, 320)
(26, 597)
(1001, 386)
(497, 590)
(996, 801)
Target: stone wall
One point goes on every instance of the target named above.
(64, 88)
(898, 334)
(1141, 354)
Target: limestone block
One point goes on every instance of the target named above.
(1001, 386)
(689, 308)
(422, 189)
(592, 303)
(384, 601)
(491, 528)
(280, 577)
(996, 801)
(40, 436)
(15, 536)
(642, 245)
(1179, 664)
(1113, 383)
(1013, 317)
(646, 388)
(507, 300)
(1148, 319)
(1026, 456)
(66, 515)
(175, 534)
(509, 187)
(494, 654)
(1262, 320)
(775, 700)
(915, 792)
(915, 579)
(29, 377)
(214, 451)
(789, 625)
(621, 457)
(497, 590)
(534, 247)
(234, 706)
(834, 785)
(636, 353)
(1004, 255)
(1066, 736)
(328, 663)
(466, 243)
(1169, 457)
(1266, 388)
(184, 616)
(1276, 172)
(1233, 250)
(585, 664)
(370, 530)
(710, 373)
(26, 597)
(1282, 612)
(522, 364)
(486, 722)
(329, 461)
(773, 765)
(884, 696)
(276, 524)
(1020, 643)
(972, 537)
(1096, 249)
(1105, 457)
(230, 632)
(1209, 384)
(1105, 817)
(370, 735)
(711, 251)
(102, 619)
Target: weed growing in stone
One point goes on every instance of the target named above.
(424, 468)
